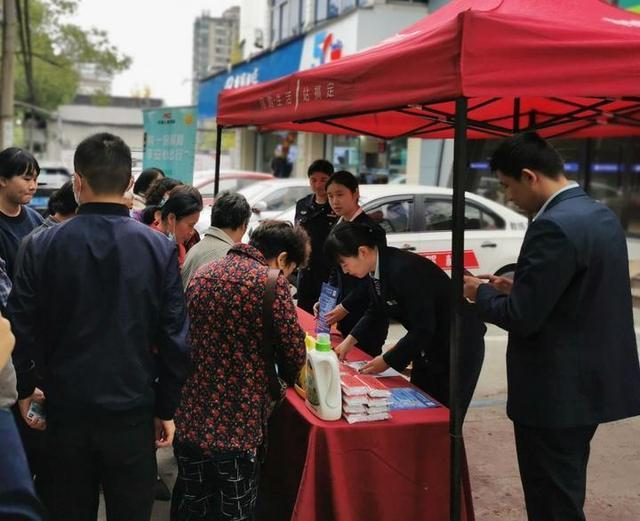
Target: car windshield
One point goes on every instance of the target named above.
(251, 192)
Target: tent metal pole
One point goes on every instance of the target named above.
(588, 164)
(216, 185)
(516, 115)
(456, 418)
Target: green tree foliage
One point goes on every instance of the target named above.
(51, 47)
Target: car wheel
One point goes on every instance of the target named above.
(506, 271)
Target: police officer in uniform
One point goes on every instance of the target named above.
(315, 215)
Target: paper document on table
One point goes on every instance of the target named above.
(361, 363)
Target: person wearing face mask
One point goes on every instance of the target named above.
(221, 419)
(85, 320)
(353, 298)
(177, 216)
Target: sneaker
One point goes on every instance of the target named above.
(162, 491)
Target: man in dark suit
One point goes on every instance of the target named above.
(572, 360)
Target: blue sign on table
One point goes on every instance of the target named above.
(170, 141)
(327, 301)
(410, 398)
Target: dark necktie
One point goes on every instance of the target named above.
(377, 286)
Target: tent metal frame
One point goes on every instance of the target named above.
(579, 116)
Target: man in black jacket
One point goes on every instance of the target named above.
(572, 360)
(314, 214)
(98, 312)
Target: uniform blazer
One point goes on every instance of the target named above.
(572, 358)
(417, 293)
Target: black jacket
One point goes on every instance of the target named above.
(317, 220)
(572, 358)
(92, 300)
(12, 231)
(417, 293)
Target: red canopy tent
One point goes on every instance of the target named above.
(473, 69)
(542, 61)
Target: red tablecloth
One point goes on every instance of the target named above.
(394, 470)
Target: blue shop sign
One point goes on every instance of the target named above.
(269, 66)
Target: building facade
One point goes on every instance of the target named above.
(214, 39)
(303, 34)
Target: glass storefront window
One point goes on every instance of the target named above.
(372, 160)
(278, 154)
(614, 173)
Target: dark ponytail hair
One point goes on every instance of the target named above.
(183, 201)
(345, 239)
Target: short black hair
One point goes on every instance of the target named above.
(104, 160)
(15, 161)
(230, 211)
(274, 237)
(346, 237)
(320, 165)
(183, 201)
(527, 150)
(145, 179)
(63, 201)
(344, 178)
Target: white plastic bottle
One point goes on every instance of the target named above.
(324, 394)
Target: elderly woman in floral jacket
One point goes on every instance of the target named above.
(222, 414)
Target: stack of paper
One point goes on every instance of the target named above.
(364, 399)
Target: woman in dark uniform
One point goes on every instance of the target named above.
(417, 293)
(353, 299)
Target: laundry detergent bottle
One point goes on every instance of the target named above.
(324, 394)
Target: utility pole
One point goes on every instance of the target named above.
(9, 22)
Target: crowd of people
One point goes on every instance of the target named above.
(133, 334)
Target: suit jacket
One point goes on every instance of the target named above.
(417, 293)
(572, 358)
(353, 293)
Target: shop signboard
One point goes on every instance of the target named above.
(170, 141)
(268, 66)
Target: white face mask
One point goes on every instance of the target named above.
(76, 195)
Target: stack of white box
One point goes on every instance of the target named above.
(364, 399)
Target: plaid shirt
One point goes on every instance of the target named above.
(5, 284)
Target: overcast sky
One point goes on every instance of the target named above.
(158, 35)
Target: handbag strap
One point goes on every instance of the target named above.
(267, 334)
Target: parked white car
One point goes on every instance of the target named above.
(266, 198)
(419, 219)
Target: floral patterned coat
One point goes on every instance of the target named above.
(225, 400)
